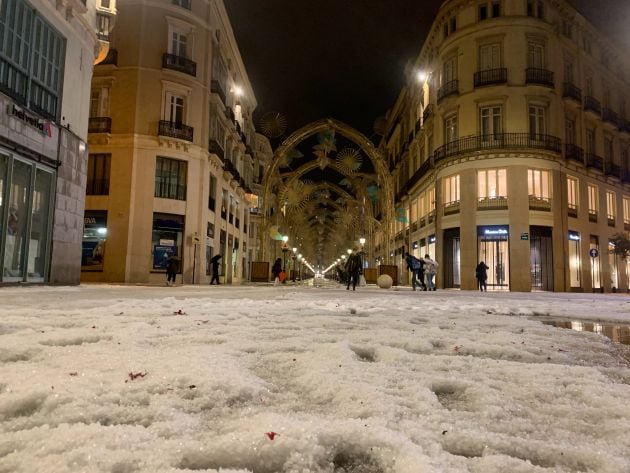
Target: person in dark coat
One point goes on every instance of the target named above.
(481, 273)
(172, 267)
(415, 265)
(215, 269)
(353, 270)
(276, 269)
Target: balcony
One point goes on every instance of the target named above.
(572, 91)
(611, 221)
(626, 226)
(591, 104)
(539, 76)
(498, 141)
(217, 88)
(574, 153)
(623, 125)
(448, 89)
(179, 63)
(610, 116)
(229, 113)
(428, 113)
(539, 203)
(100, 125)
(613, 170)
(625, 177)
(592, 216)
(492, 203)
(431, 217)
(490, 77)
(451, 208)
(175, 130)
(215, 148)
(572, 210)
(595, 162)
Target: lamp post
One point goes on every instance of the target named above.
(293, 259)
(362, 241)
(285, 248)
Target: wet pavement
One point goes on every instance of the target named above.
(617, 333)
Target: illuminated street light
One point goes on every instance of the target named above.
(362, 241)
(421, 76)
(237, 90)
(349, 251)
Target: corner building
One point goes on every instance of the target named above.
(47, 51)
(172, 147)
(509, 145)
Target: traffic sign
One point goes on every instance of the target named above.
(594, 253)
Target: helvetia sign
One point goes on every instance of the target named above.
(43, 126)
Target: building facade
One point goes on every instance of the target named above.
(509, 145)
(47, 52)
(172, 148)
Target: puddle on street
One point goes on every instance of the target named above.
(617, 333)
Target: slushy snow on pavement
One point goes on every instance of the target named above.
(125, 379)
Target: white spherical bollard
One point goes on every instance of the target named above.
(385, 281)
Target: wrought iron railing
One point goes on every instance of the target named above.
(169, 190)
(625, 176)
(471, 144)
(624, 125)
(613, 169)
(572, 91)
(451, 208)
(229, 113)
(574, 153)
(217, 88)
(595, 162)
(490, 77)
(611, 221)
(592, 104)
(215, 148)
(610, 116)
(538, 76)
(492, 203)
(428, 113)
(97, 187)
(572, 210)
(100, 125)
(179, 63)
(592, 216)
(539, 203)
(431, 217)
(175, 130)
(448, 89)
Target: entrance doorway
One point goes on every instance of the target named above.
(495, 252)
(541, 258)
(451, 259)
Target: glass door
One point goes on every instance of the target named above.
(494, 251)
(40, 226)
(17, 222)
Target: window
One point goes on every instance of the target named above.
(590, 141)
(496, 9)
(449, 70)
(170, 178)
(536, 122)
(167, 239)
(99, 102)
(94, 240)
(492, 184)
(568, 70)
(575, 259)
(567, 28)
(174, 112)
(572, 196)
(212, 192)
(593, 202)
(609, 151)
(179, 44)
(491, 122)
(535, 55)
(102, 26)
(536, 9)
(224, 204)
(589, 86)
(182, 3)
(489, 10)
(450, 128)
(483, 12)
(586, 44)
(452, 25)
(98, 174)
(489, 56)
(569, 131)
(611, 207)
(32, 56)
(626, 211)
(451, 190)
(538, 184)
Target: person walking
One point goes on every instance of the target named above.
(481, 273)
(415, 265)
(172, 267)
(430, 269)
(215, 269)
(276, 269)
(353, 270)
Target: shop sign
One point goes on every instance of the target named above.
(43, 126)
(494, 231)
(524, 236)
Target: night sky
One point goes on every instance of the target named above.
(312, 59)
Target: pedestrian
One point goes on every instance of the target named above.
(430, 269)
(276, 269)
(172, 267)
(353, 270)
(215, 269)
(415, 265)
(481, 273)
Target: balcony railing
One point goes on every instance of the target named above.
(613, 170)
(100, 125)
(572, 91)
(217, 88)
(492, 203)
(574, 153)
(611, 221)
(539, 76)
(448, 89)
(428, 112)
(539, 203)
(610, 116)
(624, 125)
(179, 63)
(625, 177)
(431, 217)
(175, 130)
(215, 148)
(97, 187)
(592, 216)
(572, 210)
(490, 77)
(591, 104)
(595, 162)
(498, 141)
(229, 113)
(451, 208)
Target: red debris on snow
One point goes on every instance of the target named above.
(271, 435)
(74, 373)
(179, 312)
(133, 376)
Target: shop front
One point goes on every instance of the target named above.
(493, 248)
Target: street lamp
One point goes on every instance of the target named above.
(285, 248)
(362, 241)
(293, 256)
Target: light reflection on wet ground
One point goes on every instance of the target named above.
(617, 333)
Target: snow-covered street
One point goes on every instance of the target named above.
(127, 379)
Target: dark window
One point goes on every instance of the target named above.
(167, 239)
(453, 25)
(445, 30)
(98, 174)
(182, 3)
(496, 9)
(212, 193)
(483, 12)
(170, 178)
